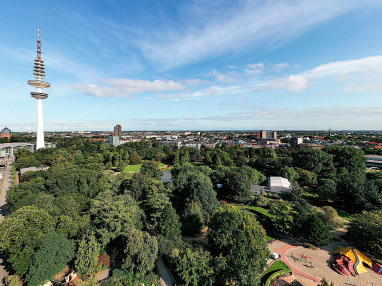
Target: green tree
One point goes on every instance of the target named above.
(140, 250)
(169, 228)
(330, 217)
(289, 173)
(316, 161)
(21, 234)
(240, 239)
(151, 169)
(87, 255)
(349, 158)
(316, 231)
(25, 193)
(191, 184)
(283, 213)
(192, 220)
(113, 215)
(135, 159)
(237, 186)
(194, 267)
(365, 231)
(52, 256)
(306, 178)
(121, 166)
(327, 189)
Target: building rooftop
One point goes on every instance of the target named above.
(15, 144)
(6, 130)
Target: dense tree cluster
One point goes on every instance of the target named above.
(87, 204)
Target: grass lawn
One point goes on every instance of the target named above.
(263, 216)
(137, 168)
(260, 210)
(278, 265)
(345, 215)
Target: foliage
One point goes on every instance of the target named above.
(313, 160)
(192, 219)
(114, 215)
(52, 256)
(194, 267)
(240, 239)
(283, 215)
(87, 255)
(135, 159)
(140, 251)
(25, 193)
(365, 231)
(22, 233)
(327, 189)
(192, 185)
(330, 217)
(237, 186)
(151, 169)
(169, 228)
(306, 178)
(349, 158)
(355, 194)
(289, 173)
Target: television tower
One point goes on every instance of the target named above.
(39, 95)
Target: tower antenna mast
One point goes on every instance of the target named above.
(39, 72)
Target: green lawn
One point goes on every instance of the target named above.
(263, 216)
(278, 265)
(345, 215)
(137, 168)
(260, 210)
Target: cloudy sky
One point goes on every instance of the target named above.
(194, 65)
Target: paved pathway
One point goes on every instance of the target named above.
(166, 278)
(282, 247)
(3, 211)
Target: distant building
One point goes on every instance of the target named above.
(6, 132)
(310, 145)
(279, 185)
(268, 134)
(295, 141)
(114, 141)
(374, 161)
(117, 130)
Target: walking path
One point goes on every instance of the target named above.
(6, 184)
(166, 277)
(282, 247)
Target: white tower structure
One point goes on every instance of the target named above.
(39, 95)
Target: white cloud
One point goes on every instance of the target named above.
(369, 87)
(125, 87)
(229, 77)
(295, 83)
(256, 68)
(337, 71)
(246, 26)
(341, 68)
(280, 66)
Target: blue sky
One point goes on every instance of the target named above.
(194, 65)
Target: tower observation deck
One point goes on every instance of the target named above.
(39, 72)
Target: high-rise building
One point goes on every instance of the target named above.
(39, 95)
(117, 130)
(268, 134)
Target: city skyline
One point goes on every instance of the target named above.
(192, 66)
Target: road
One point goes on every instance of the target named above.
(4, 211)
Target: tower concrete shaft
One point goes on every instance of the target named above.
(39, 95)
